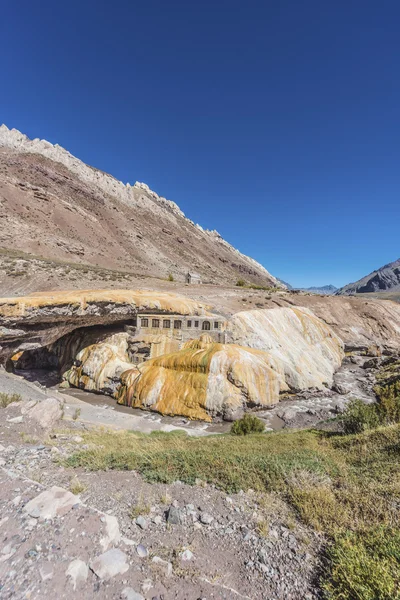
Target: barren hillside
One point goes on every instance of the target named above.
(54, 206)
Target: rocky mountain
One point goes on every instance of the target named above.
(54, 206)
(386, 278)
(325, 289)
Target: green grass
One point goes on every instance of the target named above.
(347, 486)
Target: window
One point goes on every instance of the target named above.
(196, 323)
(189, 323)
(206, 326)
(167, 324)
(144, 322)
(177, 324)
(216, 325)
(155, 323)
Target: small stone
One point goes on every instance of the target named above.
(141, 522)
(16, 500)
(147, 585)
(46, 572)
(157, 520)
(113, 535)
(206, 518)
(16, 420)
(174, 516)
(187, 555)
(142, 551)
(130, 594)
(77, 571)
(164, 564)
(109, 564)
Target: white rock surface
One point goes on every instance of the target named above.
(113, 534)
(55, 502)
(46, 413)
(109, 564)
(305, 349)
(78, 572)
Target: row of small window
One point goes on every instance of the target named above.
(155, 323)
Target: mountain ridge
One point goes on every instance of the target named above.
(55, 205)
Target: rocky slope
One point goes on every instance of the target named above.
(325, 289)
(52, 205)
(386, 278)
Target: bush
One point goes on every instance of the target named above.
(247, 424)
(240, 283)
(359, 417)
(6, 399)
(170, 277)
(365, 565)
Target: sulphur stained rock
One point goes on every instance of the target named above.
(306, 350)
(203, 380)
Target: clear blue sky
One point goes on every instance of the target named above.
(276, 123)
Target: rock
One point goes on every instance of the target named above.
(164, 564)
(109, 564)
(113, 535)
(372, 363)
(157, 520)
(174, 516)
(46, 413)
(77, 571)
(55, 502)
(187, 555)
(206, 518)
(46, 571)
(27, 406)
(141, 522)
(130, 594)
(142, 551)
(16, 420)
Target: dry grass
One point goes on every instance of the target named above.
(347, 486)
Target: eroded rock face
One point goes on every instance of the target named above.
(203, 380)
(40, 319)
(306, 350)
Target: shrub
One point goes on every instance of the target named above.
(240, 283)
(247, 424)
(365, 565)
(170, 277)
(6, 399)
(359, 417)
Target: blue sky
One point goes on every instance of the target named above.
(276, 123)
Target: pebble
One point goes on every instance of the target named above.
(77, 571)
(142, 551)
(141, 522)
(206, 518)
(174, 516)
(164, 564)
(187, 555)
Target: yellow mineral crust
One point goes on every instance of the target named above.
(139, 299)
(215, 379)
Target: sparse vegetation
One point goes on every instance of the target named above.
(76, 486)
(77, 413)
(347, 486)
(141, 508)
(7, 399)
(247, 424)
(170, 277)
(240, 283)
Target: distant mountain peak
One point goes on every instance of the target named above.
(386, 278)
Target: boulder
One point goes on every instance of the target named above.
(46, 413)
(109, 564)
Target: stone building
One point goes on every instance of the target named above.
(193, 278)
(157, 334)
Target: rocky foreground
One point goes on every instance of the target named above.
(66, 532)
